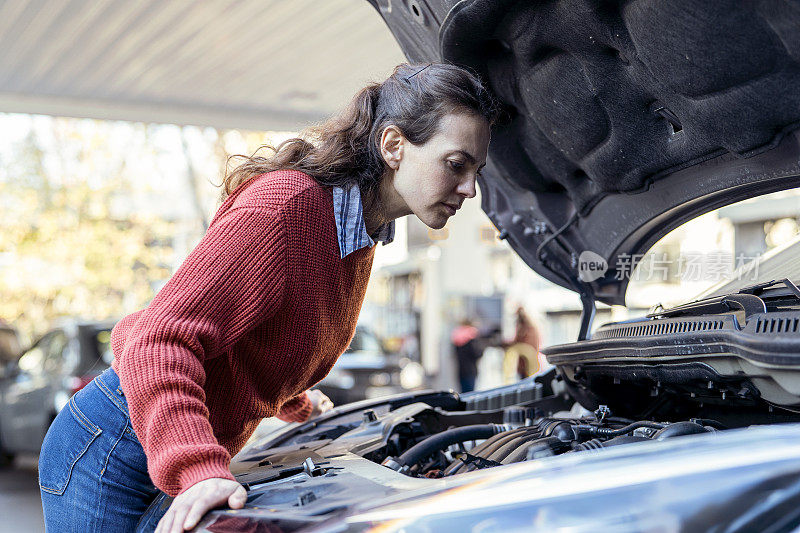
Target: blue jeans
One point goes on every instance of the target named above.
(92, 468)
(467, 383)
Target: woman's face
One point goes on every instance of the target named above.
(433, 179)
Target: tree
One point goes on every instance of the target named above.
(66, 249)
(96, 215)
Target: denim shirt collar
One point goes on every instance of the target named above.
(351, 230)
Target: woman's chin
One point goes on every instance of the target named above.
(435, 222)
(433, 218)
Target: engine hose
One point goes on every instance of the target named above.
(442, 440)
(595, 444)
(679, 428)
(492, 441)
(592, 444)
(501, 441)
(458, 463)
(512, 445)
(500, 444)
(549, 445)
(608, 432)
(624, 439)
(497, 443)
(501, 448)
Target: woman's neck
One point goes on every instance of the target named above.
(384, 206)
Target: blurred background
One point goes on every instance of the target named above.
(117, 121)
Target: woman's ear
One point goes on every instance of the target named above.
(392, 142)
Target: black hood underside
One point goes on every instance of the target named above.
(623, 119)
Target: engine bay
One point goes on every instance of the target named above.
(442, 435)
(455, 451)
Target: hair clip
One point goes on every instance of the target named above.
(408, 78)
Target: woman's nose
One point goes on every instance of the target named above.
(467, 188)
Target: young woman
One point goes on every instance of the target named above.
(263, 306)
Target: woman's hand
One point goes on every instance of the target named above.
(189, 507)
(319, 403)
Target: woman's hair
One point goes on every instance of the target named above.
(345, 149)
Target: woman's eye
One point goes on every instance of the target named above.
(455, 165)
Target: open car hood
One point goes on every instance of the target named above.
(624, 119)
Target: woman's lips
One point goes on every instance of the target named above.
(451, 210)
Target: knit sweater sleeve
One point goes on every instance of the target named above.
(232, 280)
(296, 409)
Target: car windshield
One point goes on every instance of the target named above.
(720, 252)
(781, 263)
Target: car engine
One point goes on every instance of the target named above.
(438, 435)
(524, 437)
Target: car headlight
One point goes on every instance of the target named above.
(380, 379)
(412, 375)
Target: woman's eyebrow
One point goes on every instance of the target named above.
(467, 155)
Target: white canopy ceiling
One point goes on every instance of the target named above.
(252, 64)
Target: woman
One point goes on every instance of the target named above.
(263, 306)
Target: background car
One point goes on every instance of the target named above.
(9, 343)
(367, 370)
(36, 386)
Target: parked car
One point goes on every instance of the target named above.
(367, 370)
(9, 343)
(35, 387)
(623, 121)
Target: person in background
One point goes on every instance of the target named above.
(522, 353)
(465, 342)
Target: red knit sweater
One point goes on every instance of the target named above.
(257, 313)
